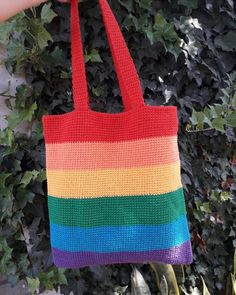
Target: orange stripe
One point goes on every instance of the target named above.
(126, 154)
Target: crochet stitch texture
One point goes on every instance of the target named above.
(114, 184)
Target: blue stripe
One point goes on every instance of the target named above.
(120, 238)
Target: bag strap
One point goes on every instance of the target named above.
(128, 79)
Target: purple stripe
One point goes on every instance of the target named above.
(177, 255)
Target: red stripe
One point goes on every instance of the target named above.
(81, 125)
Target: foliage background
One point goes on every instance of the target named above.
(184, 52)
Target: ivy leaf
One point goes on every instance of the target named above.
(127, 4)
(61, 278)
(174, 49)
(21, 115)
(33, 284)
(3, 177)
(146, 4)
(197, 119)
(205, 207)
(226, 42)
(93, 56)
(7, 137)
(160, 22)
(166, 34)
(7, 140)
(16, 52)
(16, 24)
(224, 196)
(6, 265)
(23, 92)
(189, 3)
(22, 198)
(213, 111)
(43, 38)
(218, 124)
(47, 14)
(47, 278)
(28, 177)
(5, 29)
(40, 33)
(231, 119)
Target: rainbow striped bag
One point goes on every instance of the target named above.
(114, 184)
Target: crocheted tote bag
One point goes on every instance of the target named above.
(114, 184)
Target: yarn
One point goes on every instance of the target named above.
(114, 182)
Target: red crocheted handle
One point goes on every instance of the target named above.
(129, 83)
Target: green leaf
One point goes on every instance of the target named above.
(47, 14)
(146, 4)
(153, 37)
(197, 119)
(17, 117)
(174, 49)
(5, 29)
(219, 109)
(226, 42)
(205, 207)
(93, 56)
(218, 124)
(165, 33)
(169, 33)
(189, 3)
(224, 196)
(6, 265)
(234, 100)
(3, 177)
(22, 198)
(28, 177)
(61, 278)
(7, 140)
(41, 176)
(213, 111)
(128, 4)
(23, 92)
(58, 56)
(7, 137)
(16, 52)
(47, 278)
(160, 22)
(231, 119)
(15, 24)
(41, 35)
(33, 285)
(6, 204)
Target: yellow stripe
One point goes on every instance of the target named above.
(114, 182)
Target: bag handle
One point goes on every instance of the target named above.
(128, 79)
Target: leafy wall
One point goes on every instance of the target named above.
(184, 52)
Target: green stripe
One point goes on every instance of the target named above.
(117, 210)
